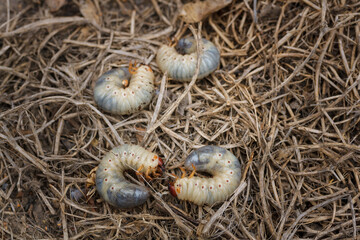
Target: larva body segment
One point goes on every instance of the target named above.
(119, 92)
(111, 183)
(221, 164)
(180, 61)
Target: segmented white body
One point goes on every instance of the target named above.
(110, 181)
(113, 96)
(180, 61)
(224, 168)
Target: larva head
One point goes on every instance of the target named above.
(172, 189)
(186, 46)
(160, 167)
(157, 166)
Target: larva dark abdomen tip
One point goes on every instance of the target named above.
(221, 164)
(180, 61)
(120, 92)
(111, 183)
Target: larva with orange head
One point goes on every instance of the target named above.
(221, 164)
(124, 90)
(180, 61)
(111, 183)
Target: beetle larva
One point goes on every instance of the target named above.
(124, 90)
(180, 62)
(221, 164)
(111, 183)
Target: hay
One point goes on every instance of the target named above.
(285, 101)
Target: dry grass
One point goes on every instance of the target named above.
(285, 101)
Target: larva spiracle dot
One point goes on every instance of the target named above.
(124, 90)
(111, 183)
(221, 164)
(180, 61)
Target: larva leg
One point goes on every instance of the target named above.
(139, 174)
(193, 172)
(183, 172)
(147, 174)
(154, 173)
(148, 68)
(90, 181)
(172, 42)
(132, 68)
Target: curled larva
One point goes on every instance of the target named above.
(221, 164)
(111, 183)
(180, 61)
(124, 91)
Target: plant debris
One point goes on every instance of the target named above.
(285, 100)
(199, 10)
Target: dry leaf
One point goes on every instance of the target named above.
(269, 11)
(195, 12)
(55, 5)
(89, 11)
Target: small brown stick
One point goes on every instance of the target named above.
(70, 203)
(221, 34)
(177, 219)
(132, 25)
(353, 216)
(158, 11)
(34, 160)
(298, 68)
(157, 106)
(44, 23)
(226, 204)
(223, 208)
(289, 233)
(62, 209)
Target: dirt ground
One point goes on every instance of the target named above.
(285, 100)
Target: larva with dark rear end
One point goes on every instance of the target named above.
(180, 61)
(111, 183)
(221, 164)
(124, 90)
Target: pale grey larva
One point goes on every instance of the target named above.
(124, 90)
(111, 183)
(180, 61)
(221, 164)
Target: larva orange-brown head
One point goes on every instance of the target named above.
(161, 166)
(159, 169)
(172, 189)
